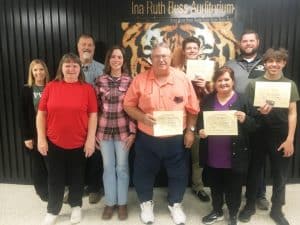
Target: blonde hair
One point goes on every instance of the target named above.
(30, 79)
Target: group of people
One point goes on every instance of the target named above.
(88, 107)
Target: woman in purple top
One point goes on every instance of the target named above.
(225, 158)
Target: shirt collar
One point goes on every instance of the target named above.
(266, 74)
(86, 67)
(170, 77)
(240, 58)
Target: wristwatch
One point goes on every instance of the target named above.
(192, 128)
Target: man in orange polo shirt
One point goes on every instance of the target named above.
(162, 88)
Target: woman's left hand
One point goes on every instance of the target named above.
(241, 116)
(129, 141)
(89, 147)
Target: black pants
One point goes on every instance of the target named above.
(94, 172)
(279, 168)
(257, 146)
(39, 174)
(64, 165)
(225, 182)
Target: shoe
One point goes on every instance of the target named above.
(177, 214)
(94, 197)
(147, 215)
(213, 217)
(202, 195)
(279, 218)
(262, 203)
(122, 212)
(76, 215)
(232, 220)
(108, 212)
(49, 219)
(246, 213)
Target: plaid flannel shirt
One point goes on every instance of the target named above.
(113, 123)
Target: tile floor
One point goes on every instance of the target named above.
(20, 206)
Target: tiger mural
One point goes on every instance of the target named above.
(217, 41)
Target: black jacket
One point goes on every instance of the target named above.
(28, 114)
(240, 144)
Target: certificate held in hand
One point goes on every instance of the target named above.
(197, 67)
(276, 94)
(168, 123)
(220, 122)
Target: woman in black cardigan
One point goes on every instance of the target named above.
(225, 158)
(38, 76)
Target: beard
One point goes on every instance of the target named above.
(251, 53)
(87, 56)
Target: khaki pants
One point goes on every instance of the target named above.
(197, 183)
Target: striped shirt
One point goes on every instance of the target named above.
(113, 123)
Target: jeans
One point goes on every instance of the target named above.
(116, 172)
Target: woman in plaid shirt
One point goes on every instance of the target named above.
(116, 132)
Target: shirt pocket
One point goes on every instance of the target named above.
(105, 94)
(121, 94)
(177, 100)
(146, 102)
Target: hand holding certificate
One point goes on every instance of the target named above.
(198, 67)
(220, 122)
(276, 94)
(168, 123)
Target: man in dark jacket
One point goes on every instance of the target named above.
(247, 66)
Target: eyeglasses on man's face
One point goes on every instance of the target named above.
(158, 57)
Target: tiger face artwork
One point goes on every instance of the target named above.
(217, 41)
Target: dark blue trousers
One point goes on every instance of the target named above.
(151, 153)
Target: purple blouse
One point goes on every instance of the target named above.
(219, 147)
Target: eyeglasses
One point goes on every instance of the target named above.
(157, 57)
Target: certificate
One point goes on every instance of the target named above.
(168, 123)
(275, 93)
(202, 68)
(220, 122)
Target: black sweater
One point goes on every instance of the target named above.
(28, 114)
(240, 143)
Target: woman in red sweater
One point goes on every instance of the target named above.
(66, 126)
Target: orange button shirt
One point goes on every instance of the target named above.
(176, 93)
